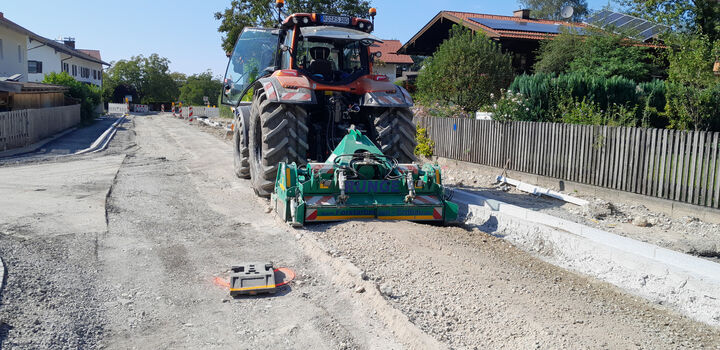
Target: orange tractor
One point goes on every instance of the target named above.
(297, 89)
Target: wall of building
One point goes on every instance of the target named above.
(52, 62)
(12, 60)
(81, 63)
(45, 54)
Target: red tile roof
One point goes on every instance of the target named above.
(389, 50)
(91, 53)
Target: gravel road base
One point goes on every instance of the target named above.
(176, 219)
(470, 289)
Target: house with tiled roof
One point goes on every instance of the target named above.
(390, 63)
(33, 56)
(46, 56)
(519, 34)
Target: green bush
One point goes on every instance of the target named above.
(425, 145)
(90, 96)
(464, 71)
(652, 99)
(693, 91)
(694, 108)
(574, 111)
(543, 93)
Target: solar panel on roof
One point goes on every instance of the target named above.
(599, 16)
(624, 23)
(634, 23)
(612, 17)
(533, 27)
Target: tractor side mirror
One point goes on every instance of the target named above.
(284, 48)
(226, 90)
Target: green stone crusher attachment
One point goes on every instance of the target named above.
(359, 182)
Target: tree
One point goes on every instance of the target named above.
(147, 77)
(199, 85)
(464, 71)
(88, 95)
(157, 85)
(693, 96)
(555, 55)
(550, 9)
(608, 54)
(701, 16)
(246, 13)
(597, 53)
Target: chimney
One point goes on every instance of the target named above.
(524, 14)
(2, 15)
(70, 42)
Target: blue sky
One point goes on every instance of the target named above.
(185, 31)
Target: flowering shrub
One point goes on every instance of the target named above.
(509, 106)
(425, 145)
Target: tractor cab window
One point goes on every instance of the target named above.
(287, 54)
(333, 54)
(252, 58)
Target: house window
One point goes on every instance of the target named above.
(66, 68)
(34, 67)
(94, 74)
(74, 70)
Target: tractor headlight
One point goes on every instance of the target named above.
(361, 25)
(305, 20)
(295, 20)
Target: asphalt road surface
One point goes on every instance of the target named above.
(128, 248)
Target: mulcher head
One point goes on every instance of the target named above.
(359, 182)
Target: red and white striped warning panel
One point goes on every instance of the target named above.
(438, 213)
(295, 96)
(426, 200)
(322, 168)
(390, 100)
(270, 91)
(409, 168)
(320, 200)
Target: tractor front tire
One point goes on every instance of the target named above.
(395, 133)
(241, 151)
(278, 133)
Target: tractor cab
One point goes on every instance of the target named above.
(330, 55)
(328, 49)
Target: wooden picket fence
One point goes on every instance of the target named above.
(14, 129)
(23, 127)
(678, 165)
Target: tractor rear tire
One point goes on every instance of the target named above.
(278, 133)
(395, 133)
(241, 151)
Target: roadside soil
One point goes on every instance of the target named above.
(630, 219)
(146, 271)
